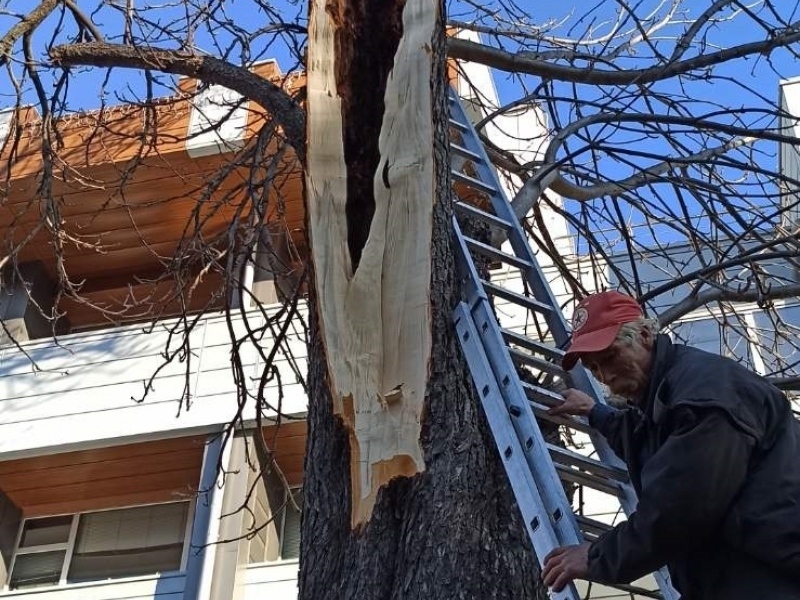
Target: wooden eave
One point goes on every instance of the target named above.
(103, 478)
(126, 202)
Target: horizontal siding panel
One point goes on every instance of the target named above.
(98, 397)
(89, 383)
(120, 372)
(167, 587)
(149, 420)
(271, 573)
(85, 350)
(285, 590)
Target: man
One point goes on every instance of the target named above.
(713, 452)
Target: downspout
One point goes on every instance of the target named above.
(205, 526)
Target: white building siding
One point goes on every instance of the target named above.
(790, 153)
(83, 390)
(158, 587)
(274, 581)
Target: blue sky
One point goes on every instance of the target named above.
(748, 83)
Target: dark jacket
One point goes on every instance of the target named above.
(714, 455)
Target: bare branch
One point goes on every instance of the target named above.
(280, 105)
(515, 63)
(30, 22)
(693, 302)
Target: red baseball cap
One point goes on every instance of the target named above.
(596, 322)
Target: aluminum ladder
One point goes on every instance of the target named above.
(535, 468)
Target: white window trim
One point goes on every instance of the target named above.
(69, 545)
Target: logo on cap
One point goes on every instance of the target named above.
(580, 318)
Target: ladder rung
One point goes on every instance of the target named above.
(592, 526)
(495, 254)
(589, 480)
(476, 184)
(519, 299)
(543, 395)
(458, 125)
(573, 459)
(536, 362)
(540, 410)
(468, 210)
(525, 342)
(464, 152)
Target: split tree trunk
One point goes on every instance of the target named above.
(405, 496)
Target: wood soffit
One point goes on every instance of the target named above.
(125, 475)
(126, 203)
(147, 472)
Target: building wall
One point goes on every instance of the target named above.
(156, 587)
(789, 154)
(83, 391)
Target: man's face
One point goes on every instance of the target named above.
(623, 367)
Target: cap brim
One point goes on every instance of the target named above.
(592, 341)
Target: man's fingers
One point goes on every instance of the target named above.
(549, 574)
(555, 575)
(561, 581)
(554, 553)
(564, 564)
(565, 408)
(554, 564)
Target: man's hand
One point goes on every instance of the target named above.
(575, 403)
(564, 564)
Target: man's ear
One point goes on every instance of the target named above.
(647, 337)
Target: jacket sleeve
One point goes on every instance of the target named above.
(612, 423)
(687, 488)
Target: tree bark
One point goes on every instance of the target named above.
(448, 528)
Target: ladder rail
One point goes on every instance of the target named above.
(533, 443)
(540, 530)
(516, 236)
(477, 312)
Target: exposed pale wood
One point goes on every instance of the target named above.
(376, 321)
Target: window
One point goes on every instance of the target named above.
(710, 335)
(777, 335)
(274, 533)
(100, 545)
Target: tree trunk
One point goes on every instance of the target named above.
(405, 496)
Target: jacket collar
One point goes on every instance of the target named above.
(663, 352)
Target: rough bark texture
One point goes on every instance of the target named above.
(449, 532)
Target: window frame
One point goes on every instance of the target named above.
(279, 521)
(69, 545)
(290, 490)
